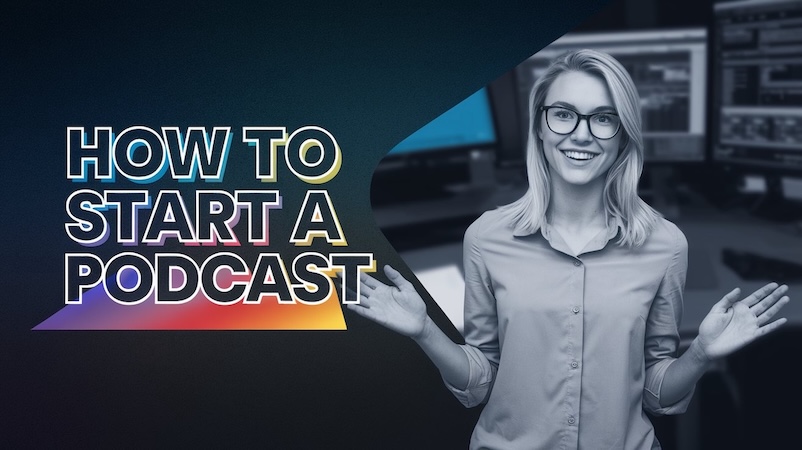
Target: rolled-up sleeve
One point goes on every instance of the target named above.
(481, 324)
(662, 331)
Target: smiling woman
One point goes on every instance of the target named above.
(573, 294)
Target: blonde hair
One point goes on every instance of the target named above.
(621, 200)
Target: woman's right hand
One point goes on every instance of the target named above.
(397, 307)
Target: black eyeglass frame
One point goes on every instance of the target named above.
(580, 117)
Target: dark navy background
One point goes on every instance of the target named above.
(369, 74)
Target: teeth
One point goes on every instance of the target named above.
(579, 155)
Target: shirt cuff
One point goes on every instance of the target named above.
(480, 379)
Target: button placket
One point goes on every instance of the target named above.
(577, 336)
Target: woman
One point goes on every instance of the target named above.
(573, 294)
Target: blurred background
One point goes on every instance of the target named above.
(721, 100)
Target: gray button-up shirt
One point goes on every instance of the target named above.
(569, 351)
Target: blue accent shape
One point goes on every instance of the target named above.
(468, 123)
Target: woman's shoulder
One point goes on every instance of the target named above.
(668, 235)
(490, 223)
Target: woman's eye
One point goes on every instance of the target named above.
(604, 118)
(563, 114)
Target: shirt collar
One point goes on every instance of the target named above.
(614, 226)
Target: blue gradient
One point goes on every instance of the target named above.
(470, 123)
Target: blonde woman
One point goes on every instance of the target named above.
(573, 294)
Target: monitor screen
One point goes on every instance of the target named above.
(468, 124)
(758, 94)
(669, 68)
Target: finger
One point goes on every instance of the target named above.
(371, 314)
(771, 312)
(367, 301)
(366, 289)
(348, 291)
(766, 329)
(759, 294)
(727, 301)
(369, 281)
(352, 293)
(364, 302)
(769, 300)
(395, 277)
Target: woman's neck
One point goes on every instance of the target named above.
(577, 206)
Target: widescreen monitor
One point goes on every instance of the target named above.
(757, 65)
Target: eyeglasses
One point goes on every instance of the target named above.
(562, 120)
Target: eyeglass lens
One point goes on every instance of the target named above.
(563, 121)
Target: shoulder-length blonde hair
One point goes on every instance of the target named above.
(621, 200)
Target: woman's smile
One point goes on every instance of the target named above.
(578, 155)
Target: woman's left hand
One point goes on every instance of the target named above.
(733, 323)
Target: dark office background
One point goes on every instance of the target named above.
(745, 401)
(85, 63)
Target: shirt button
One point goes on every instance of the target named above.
(574, 364)
(577, 263)
(575, 309)
(571, 420)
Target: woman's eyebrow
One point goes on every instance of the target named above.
(603, 108)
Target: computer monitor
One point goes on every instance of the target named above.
(757, 96)
(669, 68)
(455, 149)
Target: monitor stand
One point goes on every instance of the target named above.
(774, 205)
(481, 173)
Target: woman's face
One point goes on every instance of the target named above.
(579, 157)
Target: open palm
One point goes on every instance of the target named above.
(398, 307)
(733, 323)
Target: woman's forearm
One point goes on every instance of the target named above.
(449, 358)
(682, 375)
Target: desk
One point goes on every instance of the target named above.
(712, 232)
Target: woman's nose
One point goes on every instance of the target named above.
(582, 131)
